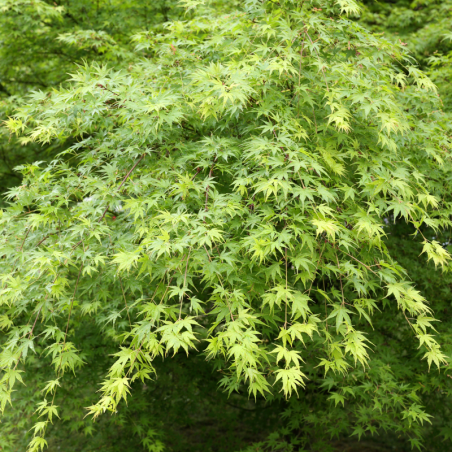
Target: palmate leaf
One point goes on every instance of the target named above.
(44, 409)
(337, 398)
(39, 427)
(126, 260)
(11, 375)
(300, 306)
(436, 252)
(291, 379)
(288, 356)
(37, 444)
(5, 397)
(434, 355)
(51, 386)
(327, 226)
(257, 382)
(341, 313)
(349, 6)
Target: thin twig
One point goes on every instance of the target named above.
(340, 278)
(285, 314)
(125, 300)
(122, 183)
(357, 260)
(299, 78)
(69, 316)
(210, 175)
(198, 170)
(25, 238)
(227, 303)
(320, 258)
(45, 238)
(185, 282)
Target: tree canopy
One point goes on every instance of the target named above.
(231, 211)
(41, 42)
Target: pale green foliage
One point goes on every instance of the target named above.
(240, 175)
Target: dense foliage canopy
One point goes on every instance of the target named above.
(239, 229)
(41, 42)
